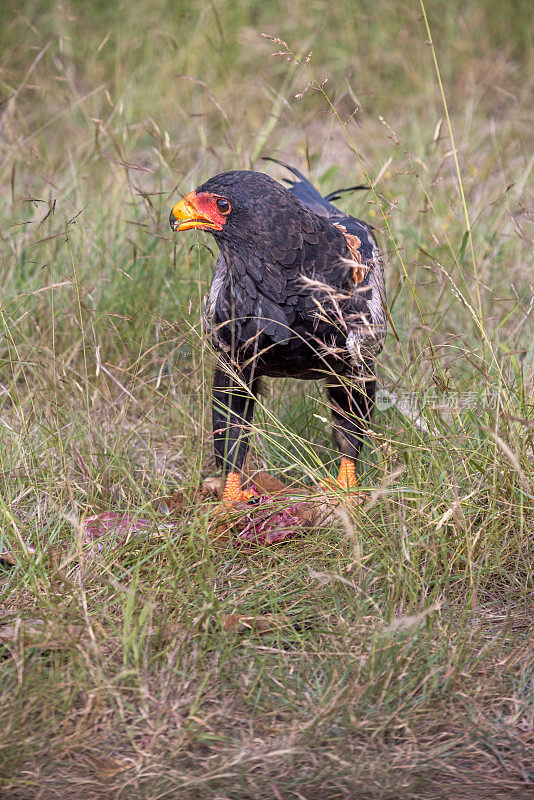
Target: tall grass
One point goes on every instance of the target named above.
(387, 653)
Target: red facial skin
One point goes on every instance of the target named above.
(198, 211)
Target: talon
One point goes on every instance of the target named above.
(233, 493)
(346, 479)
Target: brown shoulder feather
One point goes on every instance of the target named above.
(359, 270)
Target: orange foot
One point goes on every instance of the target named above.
(233, 493)
(346, 479)
(223, 517)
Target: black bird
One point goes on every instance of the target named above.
(298, 291)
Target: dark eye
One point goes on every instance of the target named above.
(223, 206)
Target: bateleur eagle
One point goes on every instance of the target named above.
(298, 291)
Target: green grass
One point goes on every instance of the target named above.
(388, 653)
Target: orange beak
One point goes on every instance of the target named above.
(186, 215)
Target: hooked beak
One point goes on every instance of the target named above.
(186, 215)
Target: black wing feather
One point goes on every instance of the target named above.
(309, 196)
(306, 192)
(338, 192)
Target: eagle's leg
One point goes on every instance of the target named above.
(351, 404)
(232, 411)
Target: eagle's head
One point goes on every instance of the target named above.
(245, 211)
